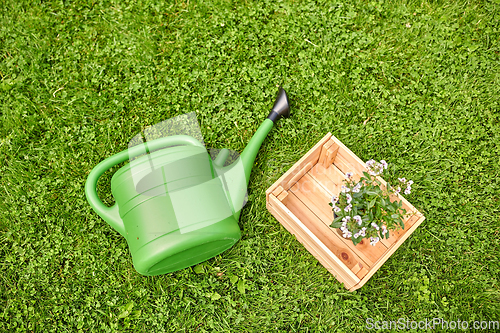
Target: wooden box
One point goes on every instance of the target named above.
(300, 202)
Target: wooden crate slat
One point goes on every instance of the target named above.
(331, 154)
(299, 175)
(312, 243)
(312, 195)
(322, 154)
(283, 196)
(330, 185)
(311, 155)
(277, 191)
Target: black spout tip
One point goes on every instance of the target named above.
(281, 107)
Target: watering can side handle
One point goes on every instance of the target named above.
(108, 214)
(111, 214)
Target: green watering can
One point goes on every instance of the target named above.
(177, 207)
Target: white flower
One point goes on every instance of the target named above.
(374, 241)
(349, 198)
(348, 175)
(356, 188)
(346, 219)
(356, 235)
(336, 209)
(380, 168)
(370, 163)
(362, 232)
(334, 199)
(345, 189)
(408, 190)
(408, 25)
(402, 180)
(398, 190)
(347, 234)
(384, 230)
(375, 226)
(348, 208)
(375, 168)
(357, 218)
(410, 183)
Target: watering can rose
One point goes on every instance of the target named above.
(364, 209)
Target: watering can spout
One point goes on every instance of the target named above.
(280, 109)
(238, 185)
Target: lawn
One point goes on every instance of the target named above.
(414, 83)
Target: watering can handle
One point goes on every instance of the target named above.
(111, 214)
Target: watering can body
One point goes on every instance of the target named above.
(174, 205)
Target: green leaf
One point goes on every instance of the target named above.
(198, 269)
(124, 314)
(233, 279)
(356, 241)
(337, 224)
(371, 204)
(129, 306)
(215, 296)
(241, 286)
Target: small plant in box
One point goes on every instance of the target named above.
(364, 209)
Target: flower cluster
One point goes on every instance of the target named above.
(403, 182)
(376, 169)
(364, 209)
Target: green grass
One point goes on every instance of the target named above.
(414, 83)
